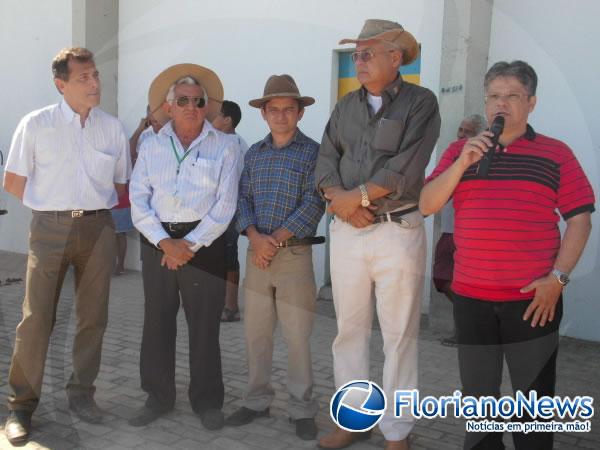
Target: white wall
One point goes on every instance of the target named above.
(559, 40)
(31, 33)
(246, 42)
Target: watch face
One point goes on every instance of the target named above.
(563, 278)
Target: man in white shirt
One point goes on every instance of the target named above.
(66, 162)
(183, 194)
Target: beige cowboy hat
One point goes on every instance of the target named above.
(159, 88)
(281, 86)
(391, 32)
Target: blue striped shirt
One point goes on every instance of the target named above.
(205, 189)
(277, 187)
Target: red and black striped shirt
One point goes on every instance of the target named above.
(506, 225)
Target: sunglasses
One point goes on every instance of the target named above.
(183, 101)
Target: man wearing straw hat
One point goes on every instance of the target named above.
(279, 210)
(183, 195)
(370, 168)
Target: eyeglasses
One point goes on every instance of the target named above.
(366, 55)
(183, 101)
(513, 98)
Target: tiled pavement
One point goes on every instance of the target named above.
(119, 393)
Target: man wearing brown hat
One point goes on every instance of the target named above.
(370, 168)
(279, 210)
(183, 195)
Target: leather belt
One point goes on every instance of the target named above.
(177, 230)
(396, 216)
(74, 213)
(292, 242)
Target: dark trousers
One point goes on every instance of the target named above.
(487, 332)
(56, 242)
(200, 287)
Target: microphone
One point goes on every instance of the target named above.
(485, 163)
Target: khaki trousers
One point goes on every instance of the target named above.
(55, 242)
(389, 259)
(285, 291)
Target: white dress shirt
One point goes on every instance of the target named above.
(205, 188)
(69, 166)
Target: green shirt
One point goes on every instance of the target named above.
(390, 148)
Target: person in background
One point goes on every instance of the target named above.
(122, 212)
(443, 264)
(227, 121)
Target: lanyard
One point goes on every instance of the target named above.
(179, 160)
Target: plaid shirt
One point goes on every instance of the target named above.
(277, 188)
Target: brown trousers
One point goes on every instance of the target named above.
(55, 242)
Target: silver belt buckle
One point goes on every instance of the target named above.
(77, 213)
(171, 226)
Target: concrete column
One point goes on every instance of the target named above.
(465, 47)
(95, 25)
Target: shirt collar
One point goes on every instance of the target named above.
(530, 133)
(207, 128)
(298, 138)
(70, 115)
(389, 93)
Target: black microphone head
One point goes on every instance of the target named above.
(497, 125)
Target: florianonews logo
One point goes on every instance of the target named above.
(358, 405)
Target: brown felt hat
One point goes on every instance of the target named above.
(391, 32)
(157, 94)
(281, 86)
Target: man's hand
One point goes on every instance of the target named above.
(543, 305)
(171, 263)
(362, 217)
(343, 203)
(475, 148)
(177, 251)
(264, 247)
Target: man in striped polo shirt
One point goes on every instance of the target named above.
(510, 263)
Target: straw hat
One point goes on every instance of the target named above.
(159, 88)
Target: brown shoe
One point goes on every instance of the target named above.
(18, 427)
(397, 445)
(339, 438)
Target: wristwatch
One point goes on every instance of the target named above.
(364, 196)
(562, 277)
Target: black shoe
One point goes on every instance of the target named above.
(306, 429)
(17, 427)
(144, 416)
(245, 415)
(86, 408)
(212, 419)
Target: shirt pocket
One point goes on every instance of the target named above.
(290, 184)
(387, 135)
(100, 167)
(206, 172)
